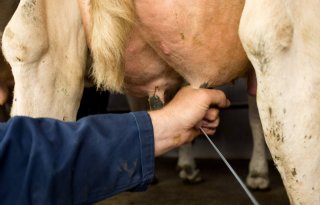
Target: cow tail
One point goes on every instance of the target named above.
(112, 20)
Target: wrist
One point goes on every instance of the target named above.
(166, 137)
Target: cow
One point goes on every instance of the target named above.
(56, 88)
(280, 40)
(173, 30)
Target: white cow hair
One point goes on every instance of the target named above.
(112, 21)
(282, 42)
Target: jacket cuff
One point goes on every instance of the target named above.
(146, 138)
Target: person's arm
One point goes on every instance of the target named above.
(45, 161)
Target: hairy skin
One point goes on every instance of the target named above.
(199, 39)
(145, 72)
(207, 52)
(281, 40)
(48, 53)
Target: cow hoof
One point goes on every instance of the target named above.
(190, 175)
(258, 182)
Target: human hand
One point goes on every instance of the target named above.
(179, 121)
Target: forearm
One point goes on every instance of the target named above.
(91, 159)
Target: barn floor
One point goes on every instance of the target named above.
(219, 187)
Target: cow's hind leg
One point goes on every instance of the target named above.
(189, 173)
(258, 168)
(282, 41)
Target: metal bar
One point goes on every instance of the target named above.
(252, 198)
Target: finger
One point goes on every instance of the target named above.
(209, 131)
(210, 124)
(212, 114)
(218, 98)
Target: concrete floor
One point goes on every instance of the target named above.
(219, 188)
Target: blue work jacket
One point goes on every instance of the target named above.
(46, 161)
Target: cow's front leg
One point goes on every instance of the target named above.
(48, 57)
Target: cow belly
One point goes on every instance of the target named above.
(285, 53)
(146, 74)
(199, 39)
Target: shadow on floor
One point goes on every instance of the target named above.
(219, 188)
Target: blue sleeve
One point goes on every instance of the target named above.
(46, 161)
